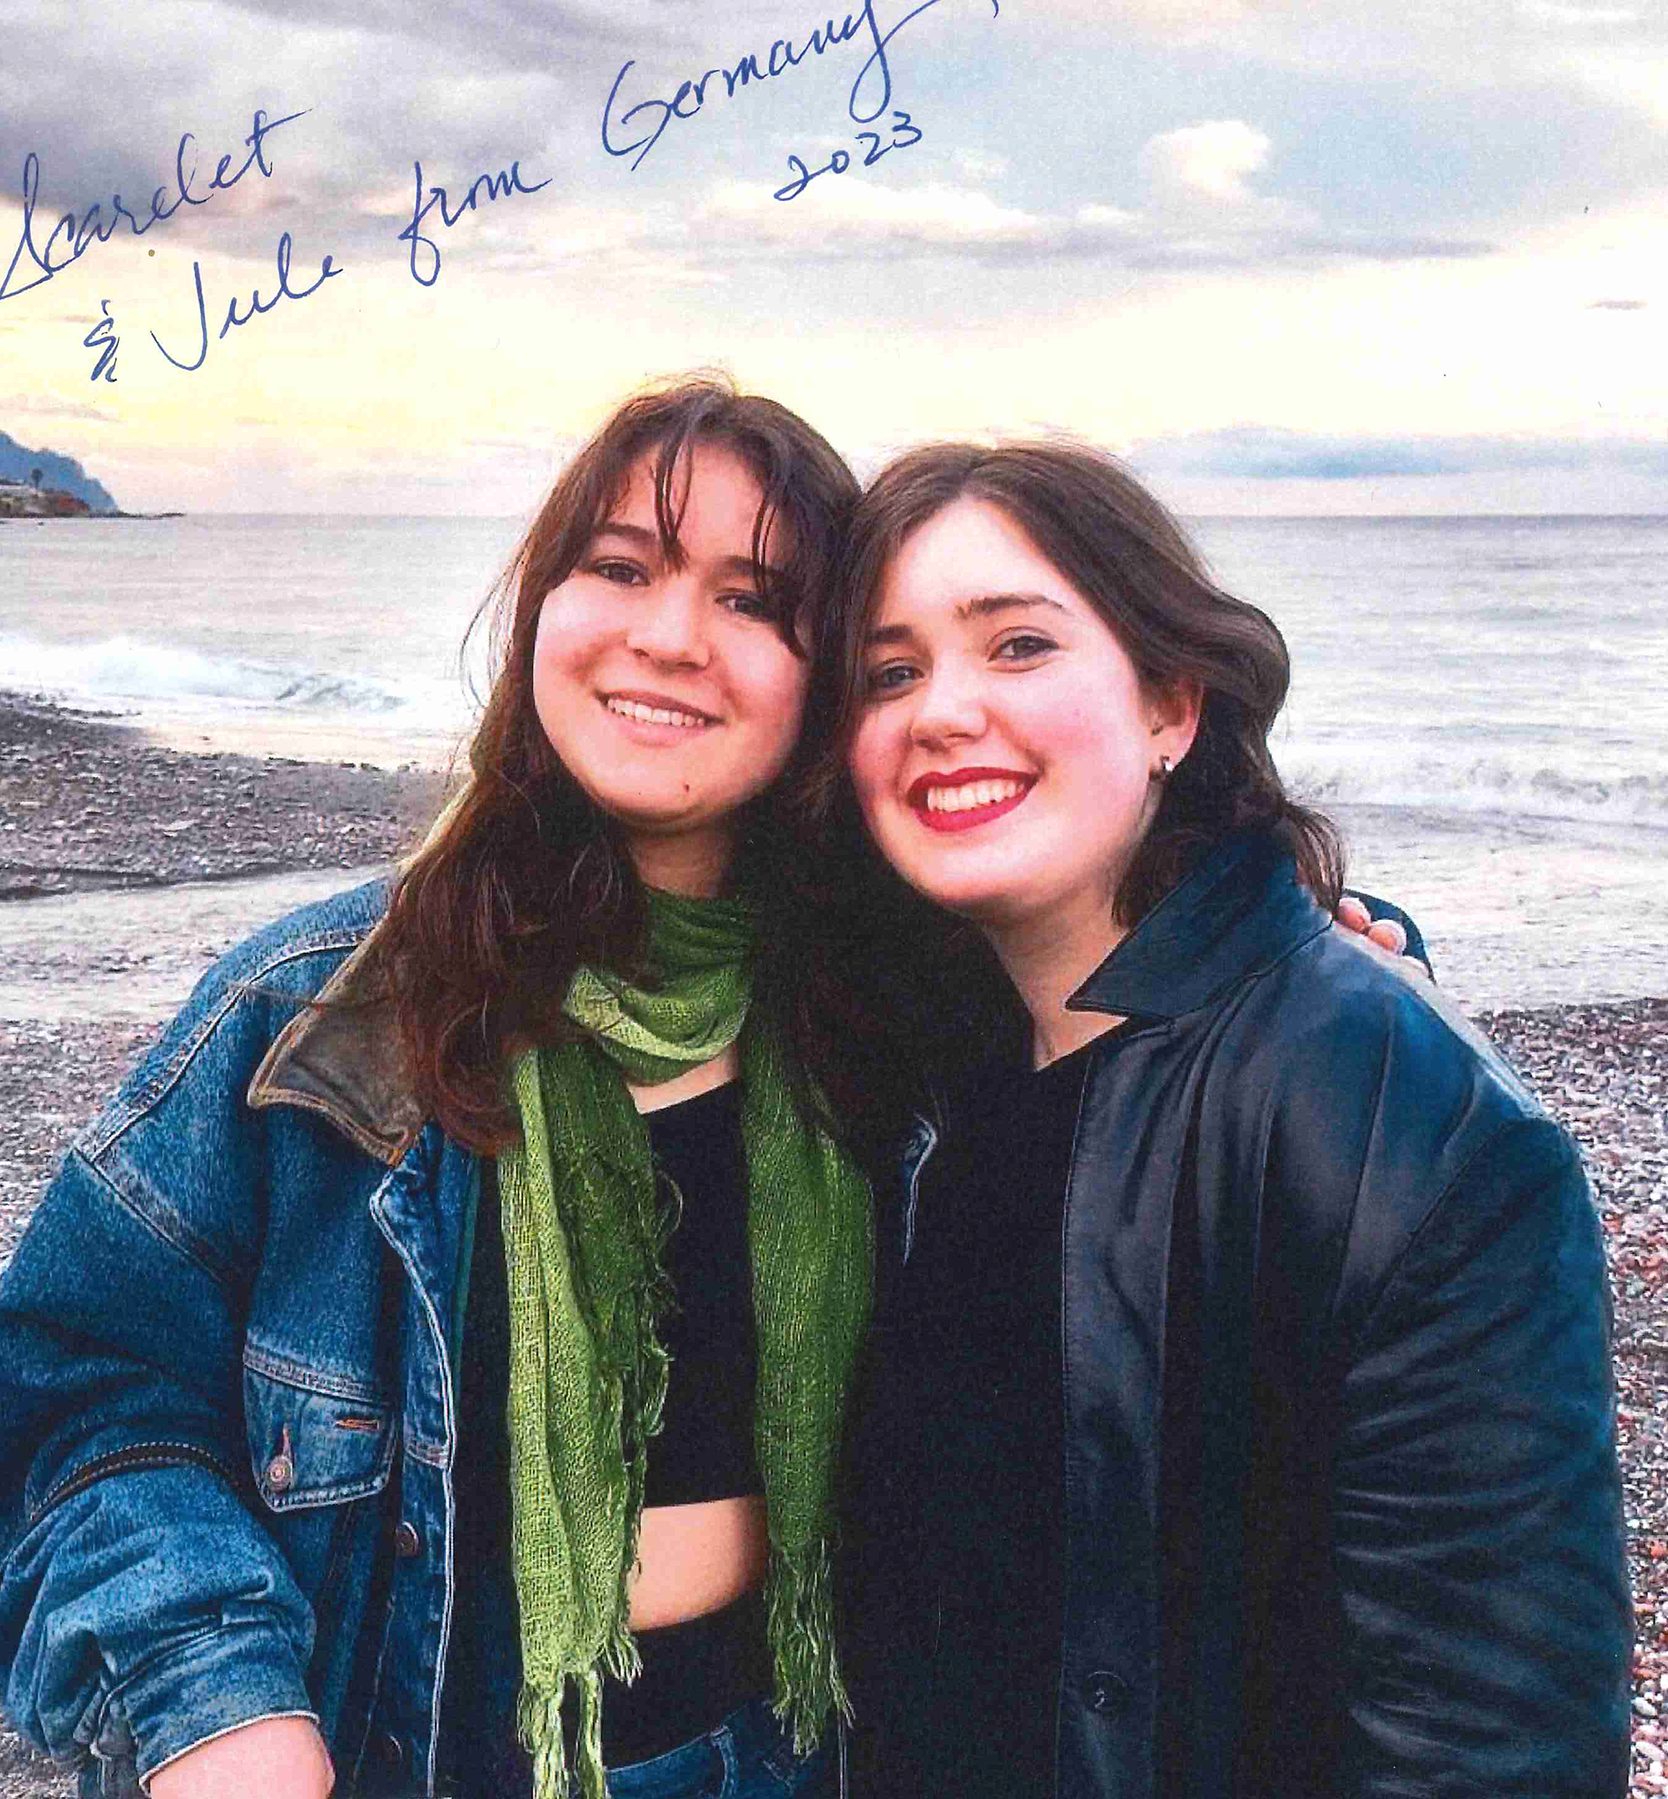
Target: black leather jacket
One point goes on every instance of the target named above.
(1343, 1511)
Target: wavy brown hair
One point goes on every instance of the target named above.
(523, 877)
(1124, 552)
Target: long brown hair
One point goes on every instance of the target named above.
(524, 877)
(1124, 552)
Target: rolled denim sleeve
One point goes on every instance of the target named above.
(155, 1599)
(136, 1582)
(1477, 1511)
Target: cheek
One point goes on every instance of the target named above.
(776, 684)
(1090, 741)
(553, 669)
(872, 754)
(559, 645)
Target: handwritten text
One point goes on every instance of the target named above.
(72, 237)
(103, 338)
(495, 187)
(869, 99)
(256, 306)
(904, 134)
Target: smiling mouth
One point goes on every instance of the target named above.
(655, 712)
(968, 798)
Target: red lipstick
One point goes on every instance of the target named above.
(965, 818)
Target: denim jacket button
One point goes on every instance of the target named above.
(390, 1750)
(1103, 1689)
(407, 1540)
(280, 1473)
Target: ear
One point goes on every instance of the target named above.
(1173, 713)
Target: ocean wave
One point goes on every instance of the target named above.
(1374, 776)
(134, 671)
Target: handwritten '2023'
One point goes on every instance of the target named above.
(905, 134)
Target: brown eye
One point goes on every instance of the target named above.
(751, 605)
(1023, 646)
(620, 572)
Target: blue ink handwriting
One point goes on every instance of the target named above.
(495, 187)
(103, 338)
(256, 305)
(904, 134)
(73, 235)
(79, 235)
(863, 104)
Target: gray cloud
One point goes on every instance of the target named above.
(1267, 453)
(937, 222)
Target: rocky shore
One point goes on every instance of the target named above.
(93, 810)
(86, 803)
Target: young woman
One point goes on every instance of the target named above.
(455, 1309)
(1239, 1419)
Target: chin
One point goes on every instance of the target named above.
(979, 900)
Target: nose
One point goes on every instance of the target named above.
(949, 707)
(668, 625)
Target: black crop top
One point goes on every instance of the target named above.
(704, 1449)
(695, 1673)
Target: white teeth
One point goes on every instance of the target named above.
(974, 793)
(653, 715)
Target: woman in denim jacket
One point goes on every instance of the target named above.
(261, 1507)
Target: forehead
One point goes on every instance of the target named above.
(970, 550)
(711, 495)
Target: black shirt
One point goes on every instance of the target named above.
(695, 1673)
(956, 1528)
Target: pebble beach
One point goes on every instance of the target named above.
(125, 866)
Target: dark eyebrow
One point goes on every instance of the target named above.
(986, 605)
(631, 533)
(887, 634)
(745, 565)
(729, 567)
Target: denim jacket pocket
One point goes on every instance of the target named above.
(313, 1445)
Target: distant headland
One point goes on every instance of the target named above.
(44, 484)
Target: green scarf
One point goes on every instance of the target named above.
(583, 1239)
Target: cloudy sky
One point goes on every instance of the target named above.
(1288, 255)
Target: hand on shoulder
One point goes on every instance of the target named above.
(1357, 924)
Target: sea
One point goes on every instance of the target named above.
(1481, 702)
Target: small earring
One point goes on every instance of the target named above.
(1166, 768)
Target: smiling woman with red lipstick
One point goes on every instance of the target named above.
(1238, 1421)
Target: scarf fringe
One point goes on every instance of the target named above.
(799, 1609)
(539, 1725)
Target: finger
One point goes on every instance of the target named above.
(1388, 933)
(1352, 915)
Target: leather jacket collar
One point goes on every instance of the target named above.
(1237, 914)
(341, 1056)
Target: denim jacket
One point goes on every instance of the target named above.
(226, 1387)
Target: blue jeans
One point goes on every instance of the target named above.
(749, 1756)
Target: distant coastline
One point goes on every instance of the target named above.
(20, 518)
